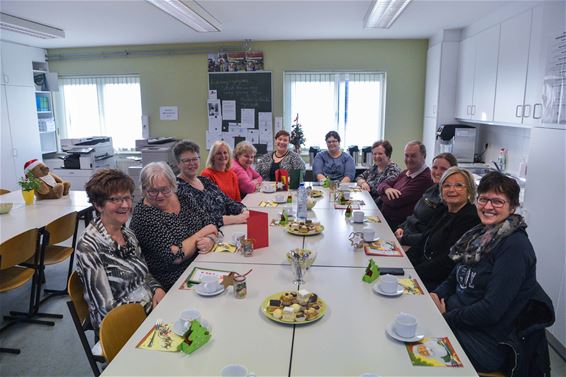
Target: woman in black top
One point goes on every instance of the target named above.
(171, 229)
(411, 232)
(430, 256)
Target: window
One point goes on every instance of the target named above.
(351, 103)
(103, 106)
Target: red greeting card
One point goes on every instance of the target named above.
(282, 176)
(258, 229)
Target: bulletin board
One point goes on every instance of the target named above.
(233, 97)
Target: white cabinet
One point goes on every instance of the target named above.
(432, 80)
(512, 69)
(16, 64)
(477, 75)
(8, 177)
(21, 122)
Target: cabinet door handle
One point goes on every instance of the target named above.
(468, 110)
(434, 109)
(473, 109)
(518, 111)
(527, 111)
(535, 111)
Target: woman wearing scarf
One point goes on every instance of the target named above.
(494, 278)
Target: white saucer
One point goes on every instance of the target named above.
(359, 222)
(180, 330)
(374, 240)
(201, 292)
(268, 191)
(391, 332)
(377, 289)
(280, 202)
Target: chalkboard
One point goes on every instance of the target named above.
(250, 90)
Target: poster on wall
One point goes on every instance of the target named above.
(239, 61)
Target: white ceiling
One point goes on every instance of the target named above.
(136, 22)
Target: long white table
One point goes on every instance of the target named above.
(349, 340)
(240, 332)
(24, 217)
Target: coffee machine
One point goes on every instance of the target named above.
(367, 156)
(458, 139)
(354, 151)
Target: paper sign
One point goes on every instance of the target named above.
(278, 124)
(258, 230)
(265, 120)
(248, 118)
(168, 113)
(211, 137)
(212, 94)
(229, 110)
(253, 136)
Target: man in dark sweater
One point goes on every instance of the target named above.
(400, 195)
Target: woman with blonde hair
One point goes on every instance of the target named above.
(430, 256)
(218, 169)
(249, 180)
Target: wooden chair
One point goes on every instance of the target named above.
(118, 326)
(78, 308)
(4, 191)
(14, 273)
(491, 374)
(56, 232)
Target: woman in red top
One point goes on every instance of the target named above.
(218, 169)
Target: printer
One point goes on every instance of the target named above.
(88, 153)
(158, 149)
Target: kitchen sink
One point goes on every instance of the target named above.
(481, 171)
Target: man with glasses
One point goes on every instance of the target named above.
(399, 196)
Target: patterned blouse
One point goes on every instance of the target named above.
(157, 231)
(111, 274)
(292, 161)
(217, 204)
(374, 178)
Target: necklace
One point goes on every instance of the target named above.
(285, 154)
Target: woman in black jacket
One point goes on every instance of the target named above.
(430, 256)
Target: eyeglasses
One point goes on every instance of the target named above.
(120, 199)
(458, 186)
(189, 160)
(154, 192)
(495, 202)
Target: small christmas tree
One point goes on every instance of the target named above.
(297, 136)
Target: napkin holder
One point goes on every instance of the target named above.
(282, 180)
(371, 272)
(196, 336)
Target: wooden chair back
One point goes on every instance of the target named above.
(76, 292)
(4, 191)
(62, 229)
(118, 326)
(19, 249)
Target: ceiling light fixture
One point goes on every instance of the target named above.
(190, 13)
(383, 13)
(27, 27)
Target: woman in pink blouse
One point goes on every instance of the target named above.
(248, 179)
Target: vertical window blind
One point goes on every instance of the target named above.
(103, 106)
(351, 103)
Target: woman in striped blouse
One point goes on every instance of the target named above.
(109, 260)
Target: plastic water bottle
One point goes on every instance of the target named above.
(302, 202)
(502, 159)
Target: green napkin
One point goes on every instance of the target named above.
(371, 272)
(196, 336)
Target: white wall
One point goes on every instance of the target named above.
(515, 139)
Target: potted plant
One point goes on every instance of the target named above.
(297, 136)
(29, 184)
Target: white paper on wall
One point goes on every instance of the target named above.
(229, 110)
(265, 120)
(247, 118)
(278, 124)
(212, 94)
(253, 136)
(211, 137)
(168, 113)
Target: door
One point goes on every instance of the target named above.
(8, 176)
(432, 80)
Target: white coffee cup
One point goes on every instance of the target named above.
(405, 325)
(190, 315)
(358, 216)
(347, 195)
(236, 370)
(369, 235)
(280, 198)
(388, 283)
(210, 283)
(344, 186)
(268, 187)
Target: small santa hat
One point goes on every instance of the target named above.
(28, 166)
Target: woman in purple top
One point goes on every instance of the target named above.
(249, 180)
(333, 163)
